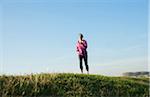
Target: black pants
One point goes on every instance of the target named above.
(85, 58)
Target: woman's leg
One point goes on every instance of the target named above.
(86, 62)
(80, 62)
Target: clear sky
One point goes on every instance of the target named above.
(41, 35)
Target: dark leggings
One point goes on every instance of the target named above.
(85, 61)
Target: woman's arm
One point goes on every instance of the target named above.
(84, 43)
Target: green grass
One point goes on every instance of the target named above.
(73, 85)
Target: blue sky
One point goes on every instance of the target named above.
(40, 35)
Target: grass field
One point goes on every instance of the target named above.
(72, 85)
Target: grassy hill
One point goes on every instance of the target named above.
(73, 85)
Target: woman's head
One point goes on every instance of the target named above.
(81, 36)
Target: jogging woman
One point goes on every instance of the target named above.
(82, 53)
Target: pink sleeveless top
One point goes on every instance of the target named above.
(81, 47)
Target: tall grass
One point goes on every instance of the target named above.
(73, 85)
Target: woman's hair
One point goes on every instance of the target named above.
(81, 35)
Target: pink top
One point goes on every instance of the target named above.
(81, 47)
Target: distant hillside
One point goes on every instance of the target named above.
(137, 74)
(72, 85)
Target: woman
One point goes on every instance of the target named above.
(82, 52)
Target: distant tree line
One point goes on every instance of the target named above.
(137, 74)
